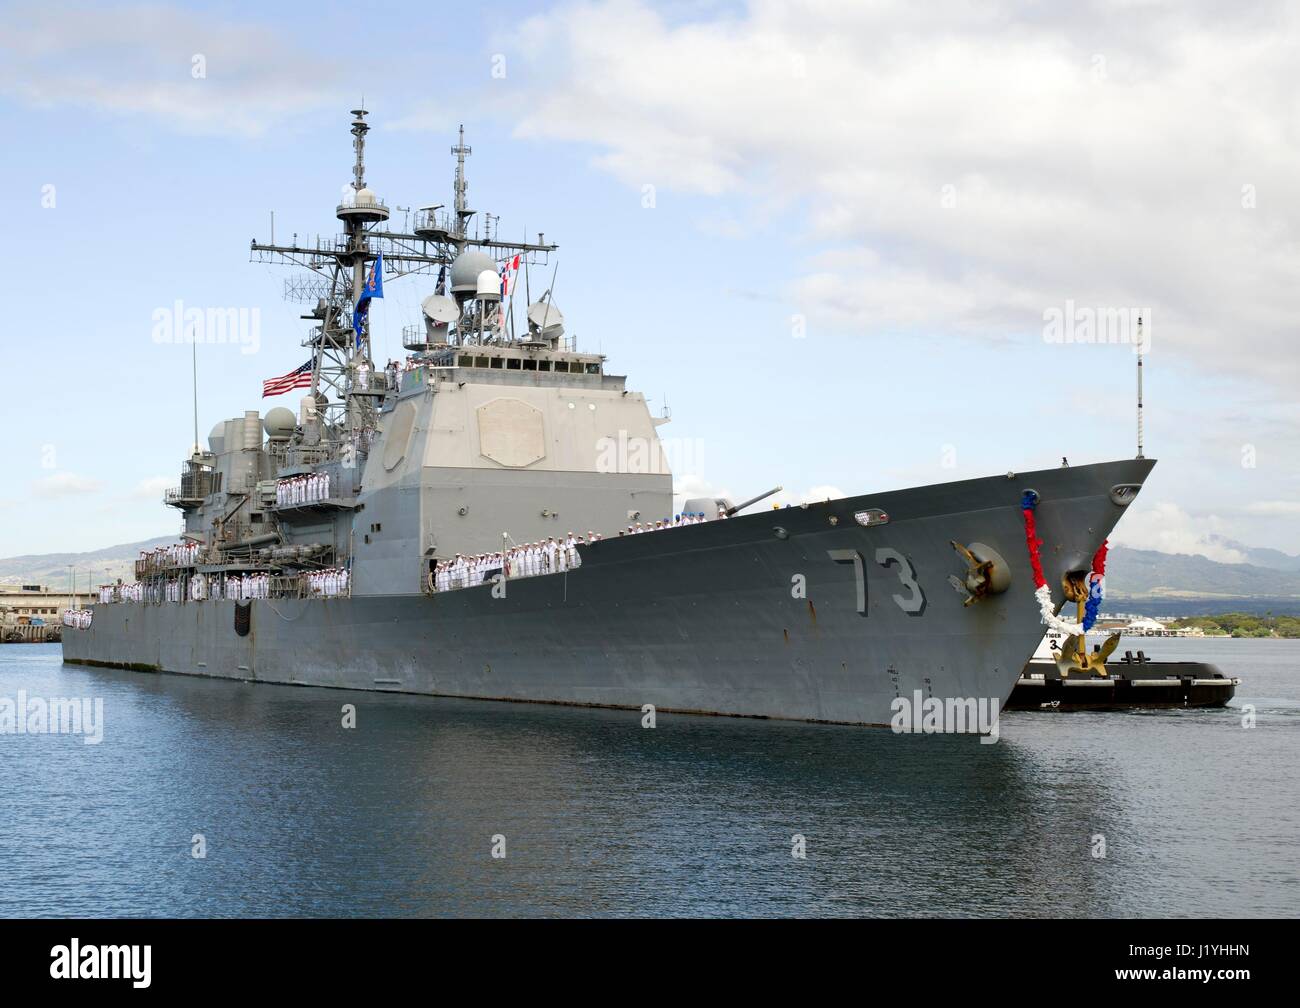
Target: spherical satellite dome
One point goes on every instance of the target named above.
(365, 196)
(217, 438)
(466, 269)
(279, 423)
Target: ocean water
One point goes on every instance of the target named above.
(299, 816)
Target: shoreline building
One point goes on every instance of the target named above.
(31, 613)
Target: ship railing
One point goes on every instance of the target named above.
(310, 455)
(415, 337)
(433, 220)
(155, 568)
(351, 202)
(288, 586)
(194, 488)
(374, 381)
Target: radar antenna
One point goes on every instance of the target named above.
(359, 130)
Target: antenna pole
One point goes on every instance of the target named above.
(1139, 402)
(194, 363)
(463, 212)
(549, 297)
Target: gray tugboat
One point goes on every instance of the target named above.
(494, 519)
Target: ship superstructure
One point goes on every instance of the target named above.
(492, 434)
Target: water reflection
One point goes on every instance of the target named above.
(599, 816)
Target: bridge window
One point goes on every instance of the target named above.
(543, 365)
(498, 362)
(593, 369)
(465, 361)
(530, 364)
(562, 365)
(512, 364)
(481, 362)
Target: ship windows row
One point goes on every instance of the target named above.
(529, 364)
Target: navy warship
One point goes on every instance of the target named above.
(492, 517)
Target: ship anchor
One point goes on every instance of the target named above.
(986, 572)
(1073, 656)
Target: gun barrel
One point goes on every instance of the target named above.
(753, 500)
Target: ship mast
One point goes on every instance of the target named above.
(463, 212)
(337, 265)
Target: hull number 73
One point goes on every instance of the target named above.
(913, 602)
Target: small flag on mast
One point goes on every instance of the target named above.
(373, 288)
(508, 269)
(299, 377)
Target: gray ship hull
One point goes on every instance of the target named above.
(752, 616)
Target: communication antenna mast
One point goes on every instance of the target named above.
(461, 186)
(1140, 352)
(194, 362)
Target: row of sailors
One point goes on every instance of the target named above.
(197, 589)
(547, 557)
(237, 587)
(133, 592)
(302, 489)
(685, 518)
(79, 618)
(396, 368)
(182, 554)
(327, 583)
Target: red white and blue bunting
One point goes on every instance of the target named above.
(1096, 586)
(1096, 578)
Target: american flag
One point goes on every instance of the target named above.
(299, 377)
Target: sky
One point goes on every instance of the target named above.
(850, 246)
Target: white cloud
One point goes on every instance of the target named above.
(65, 484)
(1274, 507)
(1166, 527)
(1098, 153)
(141, 60)
(153, 487)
